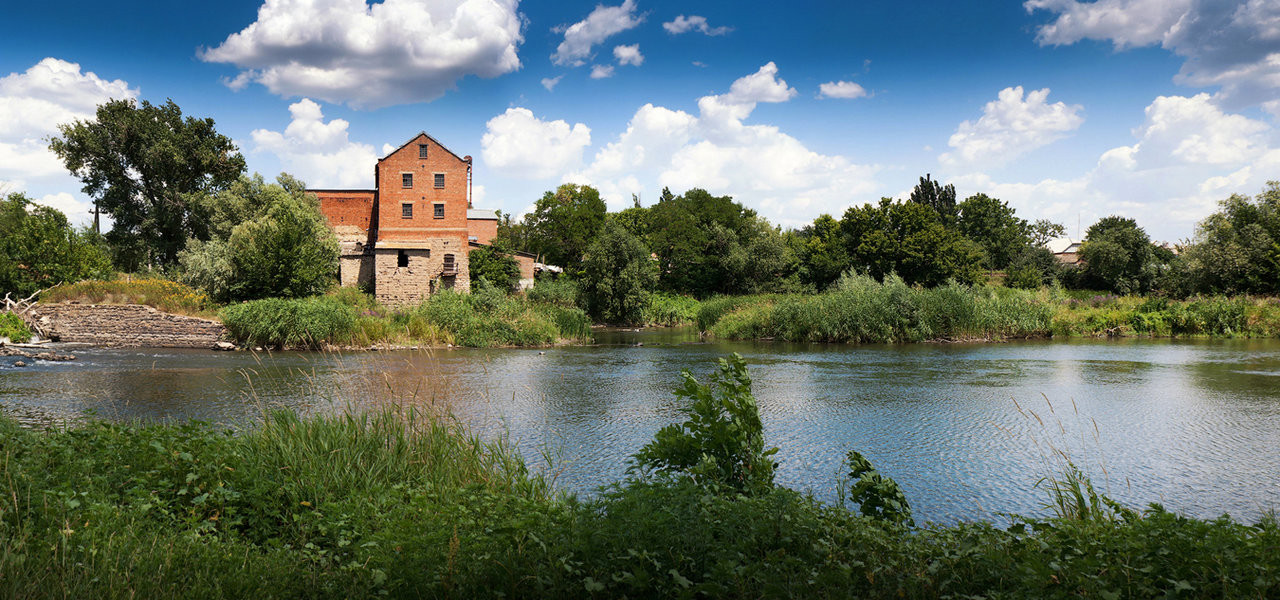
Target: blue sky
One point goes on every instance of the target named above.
(1153, 109)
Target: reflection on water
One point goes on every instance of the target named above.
(964, 428)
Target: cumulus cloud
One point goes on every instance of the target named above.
(1232, 45)
(601, 71)
(584, 35)
(628, 55)
(550, 82)
(1188, 155)
(321, 154)
(841, 89)
(518, 144)
(758, 164)
(370, 56)
(1010, 126)
(682, 24)
(32, 104)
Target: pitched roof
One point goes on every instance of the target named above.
(1061, 245)
(428, 136)
(482, 214)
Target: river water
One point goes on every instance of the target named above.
(967, 430)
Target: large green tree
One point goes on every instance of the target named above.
(821, 253)
(907, 238)
(487, 263)
(1237, 249)
(618, 277)
(141, 163)
(268, 240)
(564, 223)
(994, 226)
(941, 198)
(1118, 256)
(709, 245)
(39, 248)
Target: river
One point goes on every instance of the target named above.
(964, 428)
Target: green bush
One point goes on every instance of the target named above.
(299, 323)
(560, 291)
(669, 310)
(40, 249)
(13, 327)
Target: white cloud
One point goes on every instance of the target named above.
(391, 52)
(601, 71)
(584, 35)
(1188, 155)
(550, 82)
(1011, 126)
(682, 24)
(319, 153)
(1232, 45)
(518, 144)
(841, 89)
(32, 104)
(759, 165)
(628, 55)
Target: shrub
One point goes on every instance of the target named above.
(298, 323)
(670, 310)
(39, 248)
(13, 327)
(486, 264)
(560, 291)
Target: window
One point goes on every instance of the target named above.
(439, 211)
(406, 180)
(406, 210)
(422, 150)
(439, 180)
(402, 259)
(449, 264)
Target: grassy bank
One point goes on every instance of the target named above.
(860, 309)
(348, 317)
(161, 294)
(404, 506)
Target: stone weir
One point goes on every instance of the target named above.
(125, 325)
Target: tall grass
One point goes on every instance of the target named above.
(302, 323)
(670, 310)
(162, 294)
(861, 309)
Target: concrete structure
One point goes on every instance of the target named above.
(125, 325)
(409, 237)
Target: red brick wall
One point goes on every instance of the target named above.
(484, 230)
(347, 207)
(423, 195)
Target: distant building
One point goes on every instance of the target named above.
(1065, 249)
(409, 237)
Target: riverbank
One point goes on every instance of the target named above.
(862, 310)
(407, 505)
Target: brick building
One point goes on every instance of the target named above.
(409, 236)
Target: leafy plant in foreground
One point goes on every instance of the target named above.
(722, 442)
(876, 495)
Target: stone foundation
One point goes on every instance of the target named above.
(424, 275)
(125, 325)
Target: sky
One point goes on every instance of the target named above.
(1069, 111)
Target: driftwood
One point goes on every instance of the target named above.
(22, 307)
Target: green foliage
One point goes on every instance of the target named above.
(296, 323)
(39, 249)
(942, 199)
(618, 277)
(821, 253)
(877, 496)
(277, 243)
(994, 226)
(13, 327)
(564, 223)
(721, 445)
(560, 291)
(1032, 268)
(141, 163)
(1237, 249)
(1118, 256)
(501, 270)
(493, 318)
(669, 310)
(860, 309)
(907, 238)
(1044, 230)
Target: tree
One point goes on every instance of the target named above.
(942, 199)
(695, 235)
(282, 246)
(1118, 256)
(1044, 230)
(141, 163)
(39, 248)
(821, 253)
(1035, 266)
(564, 223)
(1237, 249)
(499, 269)
(907, 238)
(994, 226)
(619, 276)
